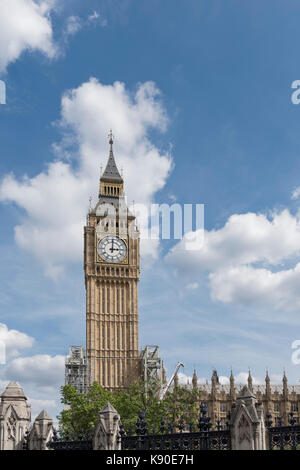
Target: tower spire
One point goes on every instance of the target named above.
(232, 389)
(250, 381)
(268, 385)
(285, 384)
(111, 182)
(195, 380)
(111, 173)
(111, 138)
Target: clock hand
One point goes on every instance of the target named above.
(112, 249)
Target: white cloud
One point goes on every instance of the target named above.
(3, 385)
(296, 193)
(55, 201)
(172, 197)
(184, 379)
(192, 286)
(243, 258)
(223, 380)
(94, 17)
(242, 378)
(73, 25)
(40, 376)
(37, 405)
(25, 25)
(14, 341)
(245, 238)
(42, 371)
(248, 285)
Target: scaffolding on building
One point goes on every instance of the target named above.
(152, 365)
(75, 369)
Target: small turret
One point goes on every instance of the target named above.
(250, 382)
(268, 385)
(285, 385)
(232, 389)
(195, 381)
(215, 377)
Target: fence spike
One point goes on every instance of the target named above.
(162, 427)
(292, 420)
(141, 427)
(181, 424)
(268, 421)
(26, 439)
(171, 428)
(122, 430)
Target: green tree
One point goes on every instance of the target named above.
(80, 412)
(182, 403)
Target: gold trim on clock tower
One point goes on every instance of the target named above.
(112, 268)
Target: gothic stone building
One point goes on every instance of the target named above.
(112, 269)
(278, 400)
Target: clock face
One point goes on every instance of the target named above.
(112, 249)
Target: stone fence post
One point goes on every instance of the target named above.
(247, 425)
(41, 432)
(15, 417)
(106, 435)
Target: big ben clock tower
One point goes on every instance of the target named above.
(112, 267)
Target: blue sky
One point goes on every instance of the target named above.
(222, 131)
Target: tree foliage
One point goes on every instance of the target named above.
(80, 411)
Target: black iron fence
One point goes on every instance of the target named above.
(170, 437)
(181, 437)
(78, 441)
(283, 437)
